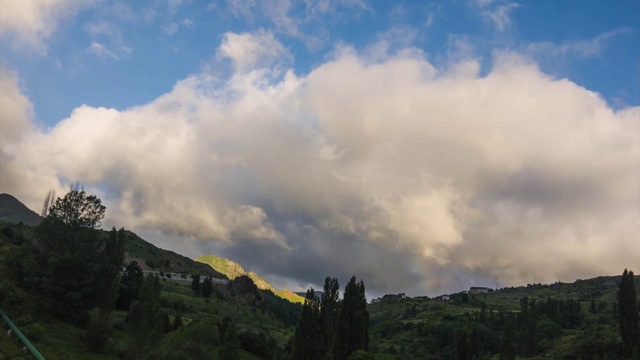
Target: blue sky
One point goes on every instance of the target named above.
(140, 50)
(423, 146)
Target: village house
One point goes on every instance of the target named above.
(477, 290)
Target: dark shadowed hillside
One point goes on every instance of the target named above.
(12, 210)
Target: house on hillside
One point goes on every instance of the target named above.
(394, 296)
(477, 290)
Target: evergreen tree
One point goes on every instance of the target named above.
(195, 283)
(329, 306)
(130, 285)
(307, 340)
(207, 287)
(628, 314)
(108, 280)
(352, 329)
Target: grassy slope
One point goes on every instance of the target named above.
(151, 257)
(232, 270)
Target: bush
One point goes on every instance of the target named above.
(97, 335)
(34, 331)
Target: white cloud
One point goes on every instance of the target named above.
(386, 167)
(249, 50)
(101, 51)
(28, 23)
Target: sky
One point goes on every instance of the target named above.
(423, 146)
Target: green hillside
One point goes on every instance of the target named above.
(232, 270)
(151, 257)
(264, 322)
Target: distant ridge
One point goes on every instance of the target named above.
(232, 270)
(14, 211)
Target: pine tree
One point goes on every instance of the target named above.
(628, 314)
(352, 329)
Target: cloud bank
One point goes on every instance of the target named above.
(418, 179)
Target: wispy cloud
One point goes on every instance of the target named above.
(101, 51)
(28, 24)
(107, 41)
(170, 29)
(579, 48)
(499, 15)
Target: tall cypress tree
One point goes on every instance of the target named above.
(307, 340)
(108, 281)
(352, 329)
(628, 315)
(329, 306)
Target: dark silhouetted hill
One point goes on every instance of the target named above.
(12, 210)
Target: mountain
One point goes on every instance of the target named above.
(13, 211)
(232, 270)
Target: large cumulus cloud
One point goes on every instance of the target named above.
(416, 178)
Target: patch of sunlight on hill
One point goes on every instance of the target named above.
(232, 270)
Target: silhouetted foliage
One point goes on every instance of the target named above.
(146, 319)
(130, 285)
(628, 314)
(207, 287)
(352, 329)
(78, 210)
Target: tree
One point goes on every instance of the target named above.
(307, 342)
(146, 318)
(508, 347)
(195, 283)
(207, 287)
(352, 329)
(329, 306)
(130, 285)
(70, 258)
(628, 314)
(109, 274)
(228, 349)
(78, 210)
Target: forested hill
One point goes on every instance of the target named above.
(148, 256)
(12, 210)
